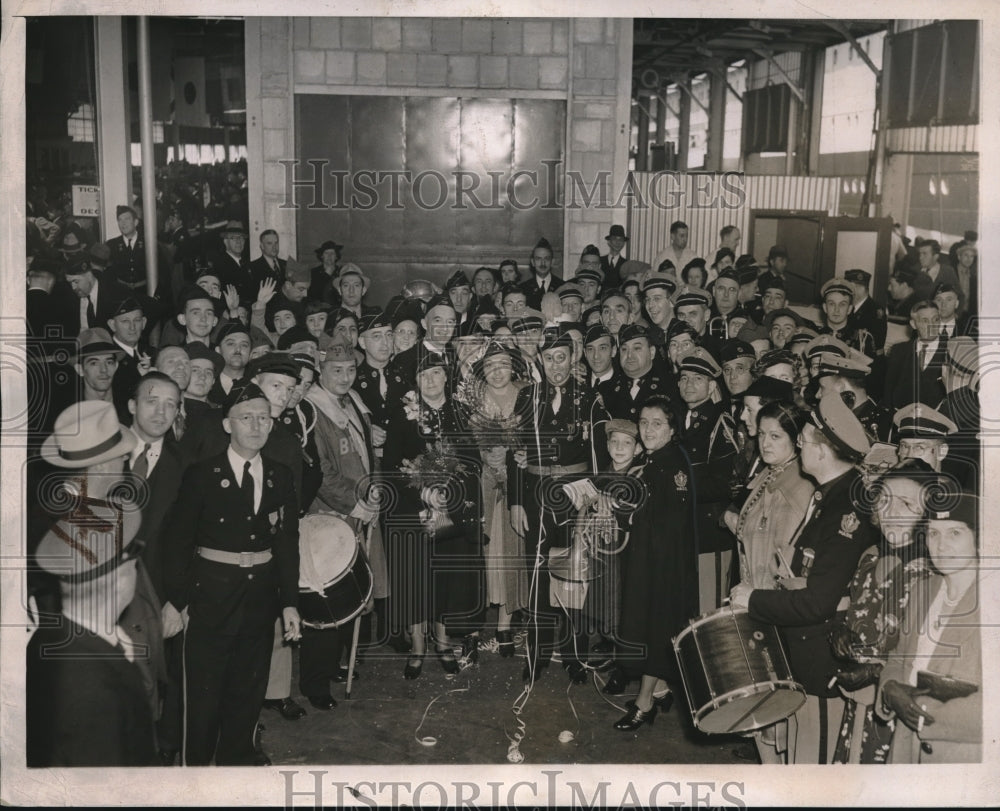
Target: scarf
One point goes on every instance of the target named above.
(346, 419)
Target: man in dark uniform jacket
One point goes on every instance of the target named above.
(128, 252)
(845, 377)
(233, 344)
(867, 315)
(372, 381)
(640, 378)
(708, 433)
(833, 534)
(559, 419)
(542, 279)
(838, 297)
(693, 305)
(233, 562)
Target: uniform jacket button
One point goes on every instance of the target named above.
(253, 537)
(249, 577)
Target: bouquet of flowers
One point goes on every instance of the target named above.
(435, 467)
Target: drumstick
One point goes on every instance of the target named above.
(354, 656)
(783, 562)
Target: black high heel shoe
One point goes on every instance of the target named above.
(635, 717)
(664, 703)
(413, 671)
(447, 657)
(616, 683)
(505, 641)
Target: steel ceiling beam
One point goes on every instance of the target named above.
(769, 57)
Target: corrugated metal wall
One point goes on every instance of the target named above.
(954, 138)
(709, 201)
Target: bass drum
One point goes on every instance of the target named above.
(735, 673)
(335, 580)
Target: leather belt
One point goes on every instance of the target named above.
(556, 470)
(242, 559)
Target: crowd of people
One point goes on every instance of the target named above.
(255, 460)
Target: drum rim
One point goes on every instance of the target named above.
(325, 626)
(719, 613)
(788, 685)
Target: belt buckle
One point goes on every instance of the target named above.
(246, 559)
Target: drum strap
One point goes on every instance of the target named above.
(824, 722)
(719, 591)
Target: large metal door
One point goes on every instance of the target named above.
(422, 185)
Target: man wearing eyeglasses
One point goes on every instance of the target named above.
(233, 562)
(923, 434)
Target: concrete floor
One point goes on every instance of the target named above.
(471, 719)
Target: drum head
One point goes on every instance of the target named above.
(758, 705)
(327, 549)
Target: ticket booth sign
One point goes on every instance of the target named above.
(86, 201)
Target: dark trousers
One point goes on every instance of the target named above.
(319, 657)
(170, 727)
(225, 682)
(548, 626)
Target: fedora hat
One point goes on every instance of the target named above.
(97, 341)
(86, 434)
(350, 269)
(95, 538)
(617, 231)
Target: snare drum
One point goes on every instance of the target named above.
(735, 672)
(335, 580)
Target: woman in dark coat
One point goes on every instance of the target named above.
(438, 517)
(660, 568)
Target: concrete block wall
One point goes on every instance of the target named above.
(598, 123)
(578, 60)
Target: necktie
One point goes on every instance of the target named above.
(91, 313)
(141, 466)
(556, 400)
(180, 423)
(945, 332)
(923, 356)
(383, 385)
(634, 391)
(687, 420)
(247, 486)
